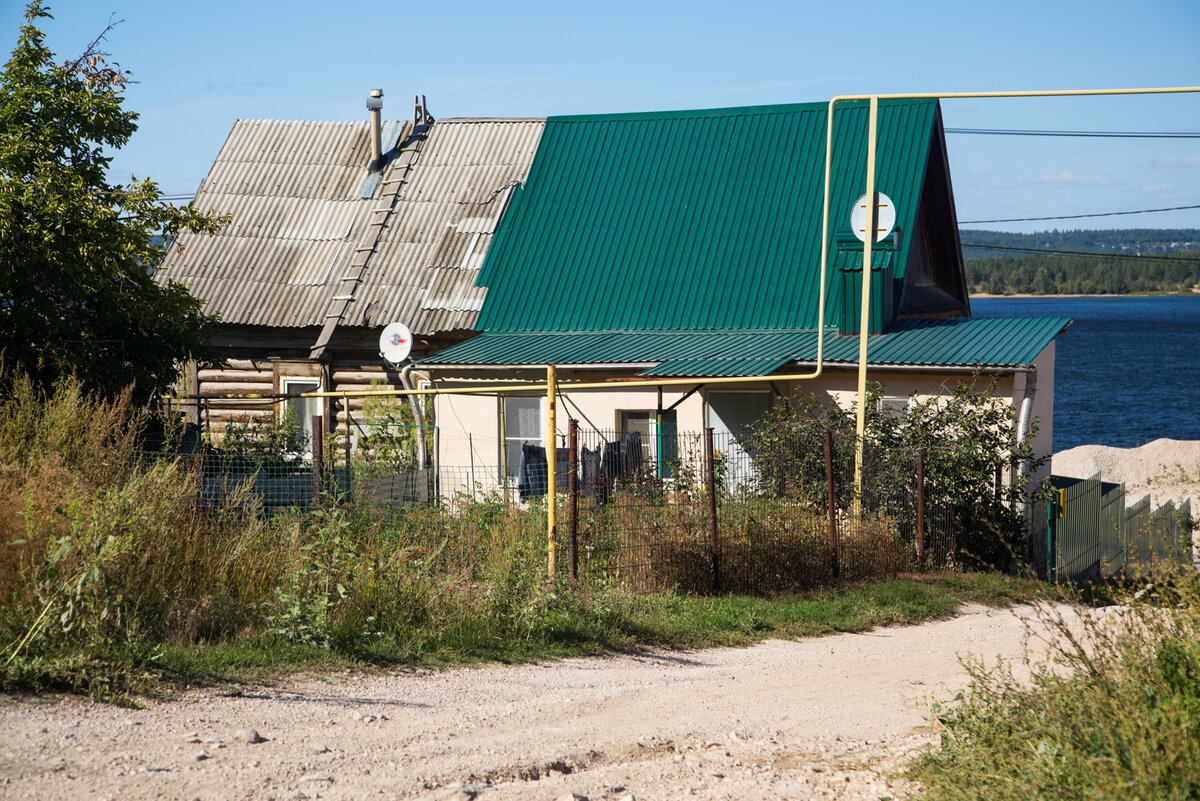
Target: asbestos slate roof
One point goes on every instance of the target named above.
(295, 192)
(1001, 342)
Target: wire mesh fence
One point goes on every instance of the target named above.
(694, 511)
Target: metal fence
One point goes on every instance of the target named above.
(697, 511)
(1092, 533)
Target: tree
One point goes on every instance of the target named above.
(77, 293)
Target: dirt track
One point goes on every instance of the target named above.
(812, 718)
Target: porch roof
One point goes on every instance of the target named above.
(958, 342)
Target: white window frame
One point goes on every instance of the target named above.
(285, 381)
(505, 438)
(652, 432)
(889, 404)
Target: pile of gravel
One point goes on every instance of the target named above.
(1167, 469)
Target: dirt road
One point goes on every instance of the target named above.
(813, 718)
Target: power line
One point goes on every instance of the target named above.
(966, 245)
(1079, 216)
(1094, 134)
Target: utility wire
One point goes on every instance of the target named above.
(1095, 134)
(966, 245)
(1078, 216)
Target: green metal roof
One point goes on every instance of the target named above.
(1000, 342)
(693, 219)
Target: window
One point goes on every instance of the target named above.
(521, 419)
(643, 423)
(297, 413)
(895, 407)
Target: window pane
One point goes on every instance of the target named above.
(523, 419)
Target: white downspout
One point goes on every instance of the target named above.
(418, 416)
(1023, 420)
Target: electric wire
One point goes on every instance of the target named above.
(1090, 134)
(1079, 216)
(1015, 249)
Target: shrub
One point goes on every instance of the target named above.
(1114, 713)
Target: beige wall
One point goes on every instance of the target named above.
(469, 425)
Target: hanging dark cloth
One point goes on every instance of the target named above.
(632, 452)
(589, 462)
(612, 464)
(532, 478)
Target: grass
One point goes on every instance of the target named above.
(116, 579)
(616, 622)
(1112, 713)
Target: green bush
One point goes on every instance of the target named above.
(966, 436)
(1114, 713)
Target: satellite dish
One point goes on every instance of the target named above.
(395, 343)
(885, 217)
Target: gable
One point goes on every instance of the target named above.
(693, 220)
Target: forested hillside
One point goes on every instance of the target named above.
(1130, 261)
(1125, 240)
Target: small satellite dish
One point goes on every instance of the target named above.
(885, 217)
(395, 343)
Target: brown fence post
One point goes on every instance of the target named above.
(318, 454)
(833, 543)
(714, 544)
(921, 510)
(573, 499)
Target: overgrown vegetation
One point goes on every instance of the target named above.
(967, 438)
(118, 572)
(1114, 713)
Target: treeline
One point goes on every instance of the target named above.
(1084, 275)
(1124, 240)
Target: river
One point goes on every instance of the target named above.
(1127, 371)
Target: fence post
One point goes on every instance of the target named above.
(921, 510)
(349, 478)
(714, 544)
(318, 454)
(573, 499)
(833, 543)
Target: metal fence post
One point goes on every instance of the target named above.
(714, 544)
(349, 478)
(318, 453)
(573, 498)
(833, 543)
(921, 510)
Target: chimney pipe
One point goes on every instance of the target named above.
(375, 105)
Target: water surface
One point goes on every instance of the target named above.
(1127, 371)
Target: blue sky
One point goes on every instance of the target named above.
(201, 66)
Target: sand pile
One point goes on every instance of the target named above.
(1167, 469)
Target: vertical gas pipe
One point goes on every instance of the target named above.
(551, 470)
(865, 323)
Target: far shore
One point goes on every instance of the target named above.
(1131, 295)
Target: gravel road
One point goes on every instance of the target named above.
(817, 718)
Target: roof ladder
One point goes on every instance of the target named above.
(348, 283)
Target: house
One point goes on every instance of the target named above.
(339, 228)
(687, 244)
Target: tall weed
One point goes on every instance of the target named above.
(1113, 713)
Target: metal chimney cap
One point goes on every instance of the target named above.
(375, 101)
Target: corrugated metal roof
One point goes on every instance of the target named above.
(692, 219)
(997, 342)
(294, 190)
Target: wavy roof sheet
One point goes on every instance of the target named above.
(1000, 342)
(694, 219)
(294, 190)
